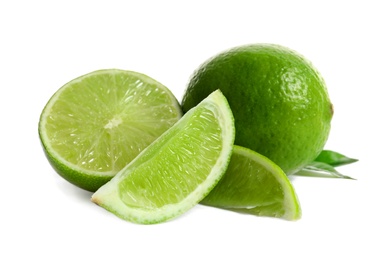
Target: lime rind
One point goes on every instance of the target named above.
(241, 188)
(86, 181)
(92, 178)
(111, 197)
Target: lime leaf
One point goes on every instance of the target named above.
(334, 159)
(321, 169)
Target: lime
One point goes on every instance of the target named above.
(177, 170)
(254, 184)
(279, 101)
(96, 124)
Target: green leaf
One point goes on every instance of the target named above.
(321, 169)
(334, 159)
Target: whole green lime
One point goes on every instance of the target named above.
(279, 101)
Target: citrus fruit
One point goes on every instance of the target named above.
(254, 184)
(96, 124)
(177, 170)
(279, 101)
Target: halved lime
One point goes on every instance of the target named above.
(254, 184)
(177, 170)
(96, 124)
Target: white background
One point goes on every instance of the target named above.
(44, 44)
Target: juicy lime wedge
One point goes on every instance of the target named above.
(176, 171)
(254, 184)
(96, 124)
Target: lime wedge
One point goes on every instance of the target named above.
(254, 184)
(176, 171)
(96, 124)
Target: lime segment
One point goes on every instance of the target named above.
(176, 171)
(253, 184)
(96, 124)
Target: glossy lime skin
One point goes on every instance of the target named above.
(279, 100)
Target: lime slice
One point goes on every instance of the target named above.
(177, 170)
(254, 184)
(96, 124)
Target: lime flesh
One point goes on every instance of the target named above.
(176, 171)
(96, 124)
(254, 184)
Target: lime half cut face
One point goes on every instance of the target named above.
(96, 124)
(177, 170)
(253, 184)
